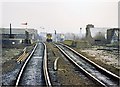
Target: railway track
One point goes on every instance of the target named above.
(45, 67)
(98, 74)
(34, 70)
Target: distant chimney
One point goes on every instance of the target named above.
(88, 33)
(10, 31)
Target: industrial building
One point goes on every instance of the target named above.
(112, 35)
(88, 33)
(16, 36)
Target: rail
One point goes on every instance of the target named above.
(45, 68)
(22, 69)
(85, 71)
(110, 73)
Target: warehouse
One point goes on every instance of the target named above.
(17, 36)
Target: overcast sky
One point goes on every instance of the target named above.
(60, 15)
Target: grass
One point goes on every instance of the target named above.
(68, 42)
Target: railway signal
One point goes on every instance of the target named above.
(55, 36)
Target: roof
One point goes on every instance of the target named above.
(17, 30)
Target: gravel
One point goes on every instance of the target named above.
(106, 59)
(104, 56)
(67, 74)
(10, 67)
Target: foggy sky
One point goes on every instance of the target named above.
(64, 16)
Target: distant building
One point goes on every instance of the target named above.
(99, 35)
(17, 36)
(60, 37)
(88, 33)
(112, 35)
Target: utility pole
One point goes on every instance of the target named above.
(80, 33)
(55, 36)
(10, 31)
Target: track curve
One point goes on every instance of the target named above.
(97, 73)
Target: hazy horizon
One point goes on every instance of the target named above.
(64, 16)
